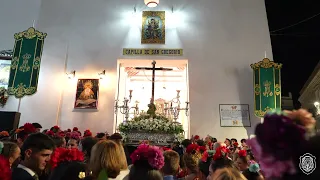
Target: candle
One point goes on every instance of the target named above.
(265, 54)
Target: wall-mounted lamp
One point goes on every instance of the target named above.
(151, 3)
(102, 74)
(317, 105)
(72, 74)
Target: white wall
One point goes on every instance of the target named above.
(220, 39)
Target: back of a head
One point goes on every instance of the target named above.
(87, 144)
(171, 163)
(37, 125)
(142, 170)
(37, 142)
(105, 155)
(222, 163)
(228, 174)
(69, 171)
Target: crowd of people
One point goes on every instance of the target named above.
(28, 153)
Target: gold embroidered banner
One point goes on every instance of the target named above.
(25, 65)
(152, 52)
(267, 86)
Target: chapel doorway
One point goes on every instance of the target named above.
(167, 86)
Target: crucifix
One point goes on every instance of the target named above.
(151, 110)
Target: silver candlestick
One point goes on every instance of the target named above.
(175, 110)
(125, 108)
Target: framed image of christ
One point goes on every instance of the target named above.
(87, 94)
(153, 27)
(234, 115)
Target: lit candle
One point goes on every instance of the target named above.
(265, 54)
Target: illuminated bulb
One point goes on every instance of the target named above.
(151, 3)
(316, 103)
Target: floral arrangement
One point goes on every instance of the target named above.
(254, 167)
(28, 128)
(75, 135)
(207, 154)
(61, 155)
(152, 154)
(145, 122)
(275, 144)
(3, 96)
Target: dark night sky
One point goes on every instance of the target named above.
(297, 47)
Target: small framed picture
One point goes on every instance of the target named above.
(87, 94)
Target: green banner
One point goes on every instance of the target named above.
(25, 65)
(267, 86)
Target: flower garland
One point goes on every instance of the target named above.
(148, 123)
(275, 144)
(152, 154)
(3, 96)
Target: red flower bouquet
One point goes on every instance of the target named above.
(221, 152)
(87, 133)
(242, 153)
(61, 155)
(29, 128)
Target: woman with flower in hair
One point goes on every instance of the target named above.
(191, 159)
(220, 160)
(67, 164)
(23, 132)
(147, 161)
(74, 140)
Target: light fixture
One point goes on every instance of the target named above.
(102, 74)
(316, 104)
(151, 3)
(72, 74)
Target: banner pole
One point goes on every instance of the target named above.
(19, 105)
(58, 117)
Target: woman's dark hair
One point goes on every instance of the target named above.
(100, 135)
(204, 166)
(201, 142)
(234, 139)
(142, 170)
(68, 171)
(87, 144)
(222, 163)
(37, 142)
(58, 141)
(37, 125)
(243, 140)
(185, 143)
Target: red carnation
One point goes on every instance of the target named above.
(75, 129)
(29, 128)
(56, 127)
(221, 152)
(61, 134)
(61, 155)
(236, 144)
(87, 133)
(69, 130)
(196, 137)
(50, 133)
(242, 153)
(5, 171)
(202, 149)
(192, 148)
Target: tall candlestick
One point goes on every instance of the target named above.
(265, 54)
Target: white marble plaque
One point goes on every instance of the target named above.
(234, 115)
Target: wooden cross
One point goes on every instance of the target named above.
(154, 69)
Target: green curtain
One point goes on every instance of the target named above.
(267, 86)
(25, 65)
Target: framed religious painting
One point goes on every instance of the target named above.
(87, 94)
(153, 27)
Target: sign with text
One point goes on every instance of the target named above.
(152, 52)
(234, 115)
